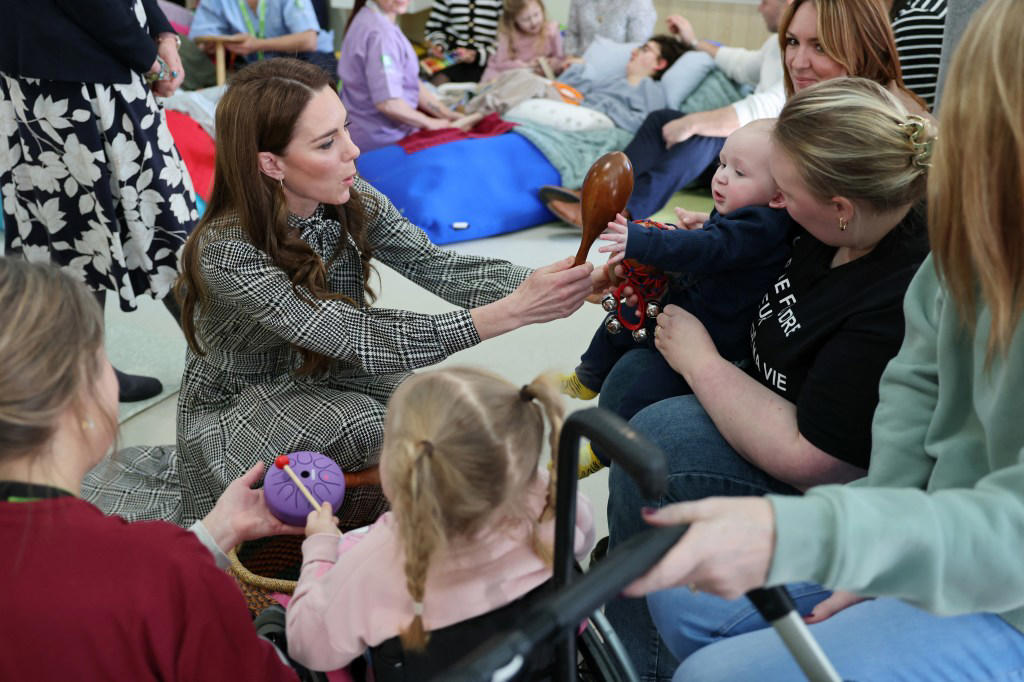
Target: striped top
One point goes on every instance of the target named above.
(918, 26)
(465, 23)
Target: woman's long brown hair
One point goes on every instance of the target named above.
(977, 182)
(258, 113)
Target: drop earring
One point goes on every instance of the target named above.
(843, 224)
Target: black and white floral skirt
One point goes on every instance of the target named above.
(91, 181)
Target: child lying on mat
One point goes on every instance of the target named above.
(471, 526)
(725, 266)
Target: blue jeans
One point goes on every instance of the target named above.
(640, 377)
(700, 464)
(689, 621)
(604, 351)
(659, 171)
(881, 639)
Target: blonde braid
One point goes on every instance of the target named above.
(422, 534)
(543, 390)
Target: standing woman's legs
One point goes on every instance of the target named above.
(113, 204)
(131, 387)
(700, 464)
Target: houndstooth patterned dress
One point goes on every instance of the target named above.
(242, 402)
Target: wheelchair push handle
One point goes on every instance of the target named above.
(642, 460)
(502, 657)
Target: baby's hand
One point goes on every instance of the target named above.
(322, 520)
(617, 233)
(691, 220)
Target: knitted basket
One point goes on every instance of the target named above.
(265, 566)
(268, 565)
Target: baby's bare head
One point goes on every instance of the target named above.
(743, 177)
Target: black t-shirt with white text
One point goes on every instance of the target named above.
(823, 335)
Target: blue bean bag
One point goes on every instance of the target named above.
(465, 189)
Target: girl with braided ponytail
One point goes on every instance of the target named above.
(471, 524)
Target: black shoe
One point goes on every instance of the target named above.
(556, 192)
(132, 388)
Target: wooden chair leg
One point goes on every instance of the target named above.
(222, 71)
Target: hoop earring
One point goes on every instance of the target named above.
(280, 181)
(843, 224)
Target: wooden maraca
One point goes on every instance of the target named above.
(606, 189)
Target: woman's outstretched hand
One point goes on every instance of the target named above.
(726, 551)
(553, 291)
(241, 513)
(549, 293)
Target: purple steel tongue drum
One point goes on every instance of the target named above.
(321, 476)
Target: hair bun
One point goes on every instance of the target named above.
(921, 141)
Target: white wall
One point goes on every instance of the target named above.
(733, 22)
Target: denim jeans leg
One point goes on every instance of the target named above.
(689, 621)
(675, 168)
(640, 378)
(604, 351)
(648, 144)
(700, 464)
(879, 639)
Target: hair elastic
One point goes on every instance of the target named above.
(417, 608)
(526, 393)
(426, 448)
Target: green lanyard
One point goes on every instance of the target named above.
(261, 8)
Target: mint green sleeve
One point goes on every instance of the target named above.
(954, 550)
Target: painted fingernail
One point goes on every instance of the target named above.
(648, 511)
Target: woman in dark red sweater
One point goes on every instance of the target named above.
(90, 597)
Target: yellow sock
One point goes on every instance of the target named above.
(574, 388)
(589, 463)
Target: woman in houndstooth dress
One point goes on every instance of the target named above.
(286, 352)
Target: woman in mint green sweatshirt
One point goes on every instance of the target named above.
(935, 531)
